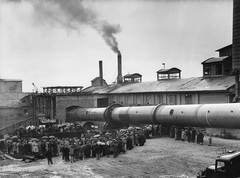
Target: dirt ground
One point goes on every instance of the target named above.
(158, 158)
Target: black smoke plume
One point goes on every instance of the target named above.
(72, 14)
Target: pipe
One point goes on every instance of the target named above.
(236, 47)
(225, 115)
(119, 77)
(236, 36)
(101, 73)
(88, 114)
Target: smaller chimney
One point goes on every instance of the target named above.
(101, 73)
(119, 77)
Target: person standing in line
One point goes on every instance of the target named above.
(124, 145)
(210, 140)
(98, 151)
(189, 134)
(87, 150)
(176, 133)
(115, 148)
(201, 136)
(67, 150)
(129, 143)
(193, 135)
(107, 143)
(171, 132)
(198, 137)
(71, 153)
(183, 135)
(49, 154)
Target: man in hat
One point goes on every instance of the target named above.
(115, 148)
(49, 154)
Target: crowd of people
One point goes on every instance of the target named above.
(89, 145)
(187, 134)
(42, 129)
(96, 146)
(92, 144)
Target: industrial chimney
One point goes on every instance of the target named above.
(119, 77)
(236, 47)
(101, 73)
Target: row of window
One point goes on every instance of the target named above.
(216, 69)
(150, 99)
(168, 76)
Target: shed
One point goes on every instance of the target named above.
(164, 74)
(136, 77)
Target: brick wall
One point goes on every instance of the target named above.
(63, 102)
(9, 116)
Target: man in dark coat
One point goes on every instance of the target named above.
(141, 139)
(193, 135)
(129, 143)
(66, 151)
(115, 148)
(189, 134)
(201, 136)
(98, 151)
(87, 150)
(49, 154)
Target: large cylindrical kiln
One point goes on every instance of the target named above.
(137, 115)
(89, 114)
(220, 115)
(225, 115)
(182, 115)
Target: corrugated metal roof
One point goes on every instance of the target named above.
(228, 46)
(101, 89)
(10, 80)
(215, 59)
(174, 69)
(132, 75)
(172, 85)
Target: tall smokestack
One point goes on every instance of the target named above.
(101, 73)
(119, 77)
(236, 47)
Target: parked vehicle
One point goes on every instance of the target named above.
(226, 166)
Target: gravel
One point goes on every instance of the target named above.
(158, 158)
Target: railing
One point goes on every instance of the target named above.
(12, 127)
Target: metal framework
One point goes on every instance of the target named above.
(63, 90)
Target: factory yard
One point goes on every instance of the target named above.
(159, 157)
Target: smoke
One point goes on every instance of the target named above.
(72, 14)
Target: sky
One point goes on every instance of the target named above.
(60, 42)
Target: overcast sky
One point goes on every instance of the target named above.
(60, 42)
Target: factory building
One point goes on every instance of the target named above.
(219, 83)
(215, 86)
(11, 110)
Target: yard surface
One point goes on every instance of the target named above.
(159, 157)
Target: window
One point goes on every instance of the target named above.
(25, 111)
(163, 76)
(172, 99)
(220, 166)
(24, 101)
(206, 70)
(213, 69)
(173, 76)
(127, 79)
(137, 79)
(235, 166)
(188, 99)
(159, 99)
(148, 99)
(227, 69)
(219, 69)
